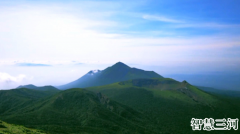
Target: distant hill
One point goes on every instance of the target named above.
(116, 73)
(230, 93)
(30, 86)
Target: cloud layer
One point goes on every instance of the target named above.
(8, 81)
(32, 64)
(161, 18)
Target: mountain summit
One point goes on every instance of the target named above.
(30, 86)
(120, 65)
(116, 73)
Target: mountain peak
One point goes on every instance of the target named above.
(120, 64)
(116, 73)
(185, 82)
(27, 86)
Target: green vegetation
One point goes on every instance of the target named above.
(171, 108)
(79, 110)
(159, 105)
(17, 99)
(6, 128)
(159, 87)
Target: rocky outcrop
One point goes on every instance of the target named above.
(105, 101)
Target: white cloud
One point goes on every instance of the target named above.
(207, 25)
(9, 81)
(54, 35)
(49, 33)
(161, 18)
(189, 24)
(5, 77)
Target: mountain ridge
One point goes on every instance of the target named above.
(31, 86)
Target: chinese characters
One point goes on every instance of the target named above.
(209, 124)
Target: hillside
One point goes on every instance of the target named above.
(116, 73)
(78, 110)
(169, 103)
(159, 87)
(6, 128)
(17, 99)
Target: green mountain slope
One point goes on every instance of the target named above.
(78, 110)
(161, 88)
(169, 103)
(117, 72)
(15, 100)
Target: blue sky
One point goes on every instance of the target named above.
(39, 40)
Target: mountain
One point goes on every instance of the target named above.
(169, 103)
(157, 105)
(135, 101)
(30, 86)
(117, 72)
(79, 110)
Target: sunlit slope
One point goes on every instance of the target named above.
(6, 128)
(159, 88)
(78, 110)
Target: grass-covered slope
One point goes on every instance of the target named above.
(6, 128)
(160, 88)
(116, 73)
(170, 104)
(78, 111)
